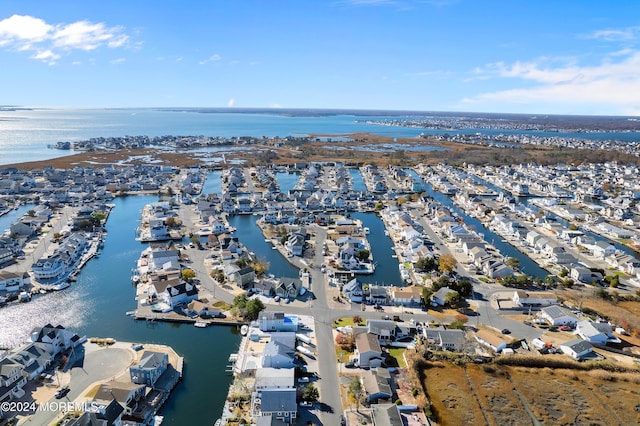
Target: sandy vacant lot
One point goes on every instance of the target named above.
(504, 395)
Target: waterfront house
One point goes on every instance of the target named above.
(100, 415)
(174, 292)
(577, 348)
(584, 275)
(51, 268)
(277, 321)
(130, 396)
(274, 378)
(407, 296)
(368, 352)
(275, 406)
(265, 286)
(295, 243)
(11, 281)
(377, 294)
(441, 339)
(150, 367)
(602, 249)
(596, 332)
(556, 315)
(201, 309)
(287, 288)
(6, 255)
(496, 268)
(243, 277)
(280, 351)
(57, 338)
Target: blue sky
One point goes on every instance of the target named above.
(543, 56)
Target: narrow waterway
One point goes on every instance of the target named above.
(528, 202)
(387, 272)
(96, 304)
(286, 181)
(250, 235)
(213, 183)
(527, 265)
(9, 218)
(357, 182)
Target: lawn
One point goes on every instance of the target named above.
(343, 322)
(397, 354)
(222, 306)
(342, 355)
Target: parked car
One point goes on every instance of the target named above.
(565, 328)
(350, 364)
(343, 421)
(506, 331)
(304, 379)
(306, 404)
(62, 392)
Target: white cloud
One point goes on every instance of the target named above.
(275, 105)
(213, 58)
(47, 56)
(624, 34)
(118, 61)
(231, 103)
(48, 41)
(608, 87)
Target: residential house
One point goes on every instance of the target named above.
(440, 297)
(406, 296)
(376, 385)
(277, 321)
(201, 309)
(295, 244)
(384, 330)
(149, 369)
(274, 405)
(556, 315)
(244, 277)
(596, 332)
(287, 289)
(368, 352)
(280, 351)
(577, 348)
(353, 291)
(490, 340)
(443, 339)
(11, 281)
(11, 379)
(130, 396)
(525, 299)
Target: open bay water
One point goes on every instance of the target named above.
(25, 134)
(96, 306)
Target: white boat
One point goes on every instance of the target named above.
(200, 324)
(244, 330)
(135, 278)
(367, 231)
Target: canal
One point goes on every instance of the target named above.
(527, 265)
(251, 237)
(96, 304)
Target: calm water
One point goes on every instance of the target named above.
(287, 181)
(24, 135)
(213, 184)
(8, 219)
(96, 305)
(387, 272)
(249, 234)
(357, 183)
